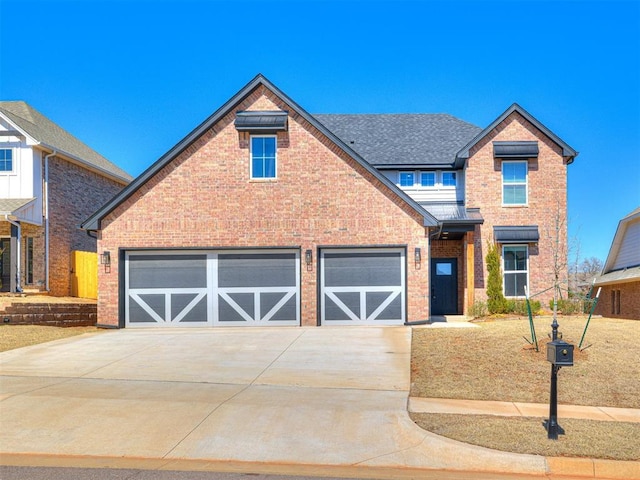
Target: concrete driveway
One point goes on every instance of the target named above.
(313, 396)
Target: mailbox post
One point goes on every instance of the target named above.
(560, 354)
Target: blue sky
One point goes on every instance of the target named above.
(132, 78)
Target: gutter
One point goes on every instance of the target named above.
(18, 243)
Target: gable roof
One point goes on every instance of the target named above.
(567, 152)
(623, 261)
(93, 222)
(31, 123)
(402, 140)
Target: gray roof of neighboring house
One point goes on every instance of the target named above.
(623, 255)
(53, 137)
(619, 276)
(9, 205)
(402, 140)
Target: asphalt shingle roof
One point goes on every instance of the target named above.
(392, 140)
(53, 136)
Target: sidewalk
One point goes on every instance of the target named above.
(518, 409)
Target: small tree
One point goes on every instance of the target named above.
(496, 303)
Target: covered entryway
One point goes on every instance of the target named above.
(196, 288)
(444, 286)
(362, 286)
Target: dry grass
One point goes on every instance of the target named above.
(583, 438)
(17, 336)
(494, 362)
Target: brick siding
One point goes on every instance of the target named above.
(547, 202)
(74, 194)
(629, 295)
(204, 198)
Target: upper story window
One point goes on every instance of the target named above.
(6, 160)
(427, 179)
(448, 179)
(514, 183)
(406, 179)
(263, 157)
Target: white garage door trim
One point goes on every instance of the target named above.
(370, 302)
(214, 285)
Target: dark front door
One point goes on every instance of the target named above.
(5, 264)
(444, 286)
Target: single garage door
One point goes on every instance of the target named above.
(362, 286)
(212, 288)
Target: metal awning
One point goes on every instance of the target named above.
(515, 149)
(516, 234)
(261, 121)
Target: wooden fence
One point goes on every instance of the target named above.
(84, 276)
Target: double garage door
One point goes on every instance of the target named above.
(261, 287)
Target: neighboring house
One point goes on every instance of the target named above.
(49, 182)
(268, 215)
(620, 278)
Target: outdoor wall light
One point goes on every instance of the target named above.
(418, 255)
(308, 257)
(105, 259)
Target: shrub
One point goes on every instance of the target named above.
(496, 303)
(519, 307)
(478, 309)
(567, 306)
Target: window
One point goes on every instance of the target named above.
(615, 302)
(514, 183)
(263, 157)
(406, 179)
(6, 160)
(29, 277)
(449, 179)
(428, 179)
(515, 269)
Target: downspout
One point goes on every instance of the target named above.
(18, 242)
(46, 218)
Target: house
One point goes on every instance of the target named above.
(620, 277)
(49, 182)
(267, 215)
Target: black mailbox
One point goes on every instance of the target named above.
(560, 353)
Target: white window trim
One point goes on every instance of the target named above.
(435, 179)
(262, 179)
(438, 180)
(505, 271)
(442, 185)
(526, 184)
(14, 161)
(413, 179)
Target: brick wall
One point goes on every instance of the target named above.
(629, 301)
(205, 199)
(547, 202)
(74, 194)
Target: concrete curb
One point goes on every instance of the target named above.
(567, 468)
